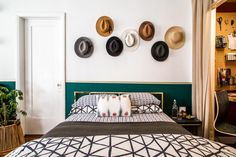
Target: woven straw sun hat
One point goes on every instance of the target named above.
(175, 37)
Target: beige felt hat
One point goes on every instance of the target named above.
(131, 39)
(146, 31)
(104, 26)
(175, 37)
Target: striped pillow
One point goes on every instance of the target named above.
(85, 104)
(144, 103)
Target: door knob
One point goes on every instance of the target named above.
(58, 85)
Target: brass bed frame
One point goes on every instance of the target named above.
(77, 93)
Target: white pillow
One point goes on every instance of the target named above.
(125, 104)
(114, 106)
(102, 106)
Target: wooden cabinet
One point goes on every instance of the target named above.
(192, 125)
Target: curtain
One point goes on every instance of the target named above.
(202, 94)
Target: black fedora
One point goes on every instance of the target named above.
(160, 51)
(83, 47)
(114, 46)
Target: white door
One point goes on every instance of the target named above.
(44, 75)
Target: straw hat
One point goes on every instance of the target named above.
(114, 46)
(104, 26)
(146, 31)
(83, 47)
(131, 39)
(160, 51)
(175, 37)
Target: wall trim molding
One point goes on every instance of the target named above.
(128, 82)
(125, 82)
(8, 84)
(28, 15)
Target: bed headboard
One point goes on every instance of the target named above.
(159, 95)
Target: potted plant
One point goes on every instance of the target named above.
(11, 135)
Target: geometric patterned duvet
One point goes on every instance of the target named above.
(124, 145)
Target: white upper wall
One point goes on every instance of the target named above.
(81, 17)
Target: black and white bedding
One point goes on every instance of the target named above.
(79, 136)
(124, 145)
(148, 133)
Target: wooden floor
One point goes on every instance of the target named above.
(31, 137)
(27, 139)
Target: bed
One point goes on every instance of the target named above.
(148, 132)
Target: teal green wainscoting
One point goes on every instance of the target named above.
(8, 84)
(181, 92)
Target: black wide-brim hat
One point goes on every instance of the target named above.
(83, 47)
(160, 51)
(114, 46)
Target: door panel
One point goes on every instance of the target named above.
(45, 100)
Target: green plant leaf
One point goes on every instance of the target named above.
(9, 98)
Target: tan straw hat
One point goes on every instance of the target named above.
(104, 26)
(146, 31)
(175, 37)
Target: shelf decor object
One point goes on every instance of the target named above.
(230, 57)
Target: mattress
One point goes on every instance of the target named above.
(145, 117)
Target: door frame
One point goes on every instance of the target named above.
(20, 50)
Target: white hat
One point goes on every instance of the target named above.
(131, 39)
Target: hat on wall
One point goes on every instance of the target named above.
(146, 31)
(104, 26)
(131, 39)
(114, 46)
(160, 51)
(175, 37)
(83, 47)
